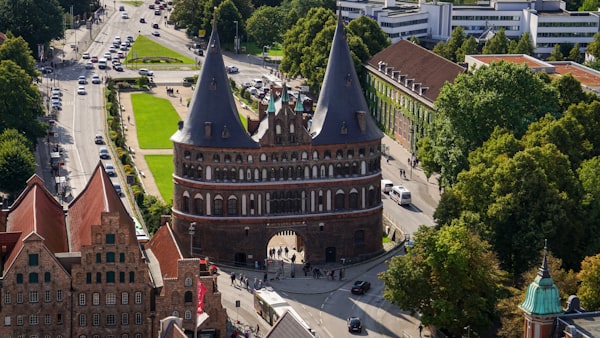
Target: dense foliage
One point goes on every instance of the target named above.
(17, 162)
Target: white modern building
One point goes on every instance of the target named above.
(547, 21)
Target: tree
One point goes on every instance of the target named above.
(501, 94)
(589, 290)
(441, 49)
(589, 6)
(38, 22)
(370, 33)
(450, 277)
(593, 47)
(496, 45)
(524, 46)
(556, 54)
(575, 53)
(414, 39)
(468, 47)
(17, 50)
(227, 13)
(189, 14)
(569, 90)
(152, 209)
(266, 25)
(457, 38)
(17, 164)
(21, 102)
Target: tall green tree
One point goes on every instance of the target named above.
(227, 14)
(589, 289)
(593, 47)
(21, 102)
(556, 54)
(266, 26)
(370, 33)
(575, 54)
(441, 49)
(524, 46)
(569, 90)
(17, 164)
(457, 38)
(502, 94)
(450, 277)
(17, 50)
(497, 44)
(468, 47)
(589, 6)
(38, 22)
(189, 14)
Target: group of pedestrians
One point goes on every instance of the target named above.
(244, 281)
(278, 252)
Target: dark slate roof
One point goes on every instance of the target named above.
(289, 326)
(213, 103)
(420, 64)
(336, 119)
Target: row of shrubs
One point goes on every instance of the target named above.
(155, 59)
(150, 206)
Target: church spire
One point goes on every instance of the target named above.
(213, 119)
(342, 115)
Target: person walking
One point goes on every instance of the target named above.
(232, 276)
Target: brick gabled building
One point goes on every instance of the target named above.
(80, 272)
(318, 179)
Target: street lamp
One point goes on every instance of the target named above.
(265, 51)
(235, 42)
(192, 232)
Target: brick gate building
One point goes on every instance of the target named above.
(317, 176)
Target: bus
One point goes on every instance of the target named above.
(141, 235)
(400, 195)
(271, 306)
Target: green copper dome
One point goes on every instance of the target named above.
(542, 296)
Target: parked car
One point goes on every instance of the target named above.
(56, 90)
(155, 26)
(96, 79)
(142, 20)
(89, 65)
(99, 139)
(118, 189)
(124, 15)
(94, 59)
(232, 69)
(121, 8)
(121, 55)
(146, 72)
(82, 80)
(155, 33)
(110, 170)
(157, 12)
(81, 90)
(103, 153)
(354, 324)
(117, 66)
(46, 70)
(85, 55)
(360, 287)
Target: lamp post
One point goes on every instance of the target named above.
(468, 328)
(235, 42)
(412, 148)
(192, 232)
(265, 51)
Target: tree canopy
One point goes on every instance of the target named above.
(17, 162)
(38, 22)
(450, 277)
(497, 44)
(17, 50)
(266, 26)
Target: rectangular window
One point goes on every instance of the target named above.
(110, 276)
(20, 320)
(33, 259)
(7, 320)
(33, 297)
(110, 319)
(47, 296)
(59, 296)
(59, 318)
(98, 258)
(96, 319)
(138, 297)
(82, 320)
(46, 277)
(33, 277)
(19, 278)
(111, 299)
(88, 278)
(122, 276)
(110, 257)
(34, 320)
(124, 298)
(7, 299)
(138, 318)
(48, 319)
(96, 298)
(98, 277)
(110, 238)
(125, 319)
(82, 299)
(122, 257)
(19, 297)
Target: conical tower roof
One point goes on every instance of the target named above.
(213, 119)
(342, 114)
(542, 297)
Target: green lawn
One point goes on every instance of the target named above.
(162, 169)
(145, 47)
(156, 120)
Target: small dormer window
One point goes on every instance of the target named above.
(213, 84)
(361, 118)
(348, 80)
(344, 130)
(208, 129)
(225, 132)
(187, 155)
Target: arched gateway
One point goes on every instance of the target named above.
(317, 175)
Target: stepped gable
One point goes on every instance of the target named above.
(420, 64)
(213, 119)
(164, 247)
(98, 196)
(342, 115)
(35, 211)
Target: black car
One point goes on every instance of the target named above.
(155, 25)
(360, 287)
(354, 324)
(142, 20)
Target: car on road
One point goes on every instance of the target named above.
(85, 55)
(56, 90)
(110, 170)
(112, 49)
(81, 90)
(89, 65)
(56, 97)
(99, 139)
(82, 80)
(117, 66)
(108, 55)
(56, 105)
(155, 26)
(129, 38)
(155, 33)
(118, 189)
(157, 12)
(232, 69)
(103, 153)
(151, 6)
(124, 46)
(360, 287)
(121, 55)
(46, 70)
(94, 59)
(142, 20)
(96, 79)
(354, 324)
(121, 8)
(124, 15)
(146, 72)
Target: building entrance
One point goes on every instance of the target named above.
(286, 255)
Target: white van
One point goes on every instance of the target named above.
(386, 186)
(102, 63)
(400, 195)
(258, 83)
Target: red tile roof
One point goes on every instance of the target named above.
(164, 247)
(426, 67)
(586, 77)
(517, 59)
(86, 209)
(36, 211)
